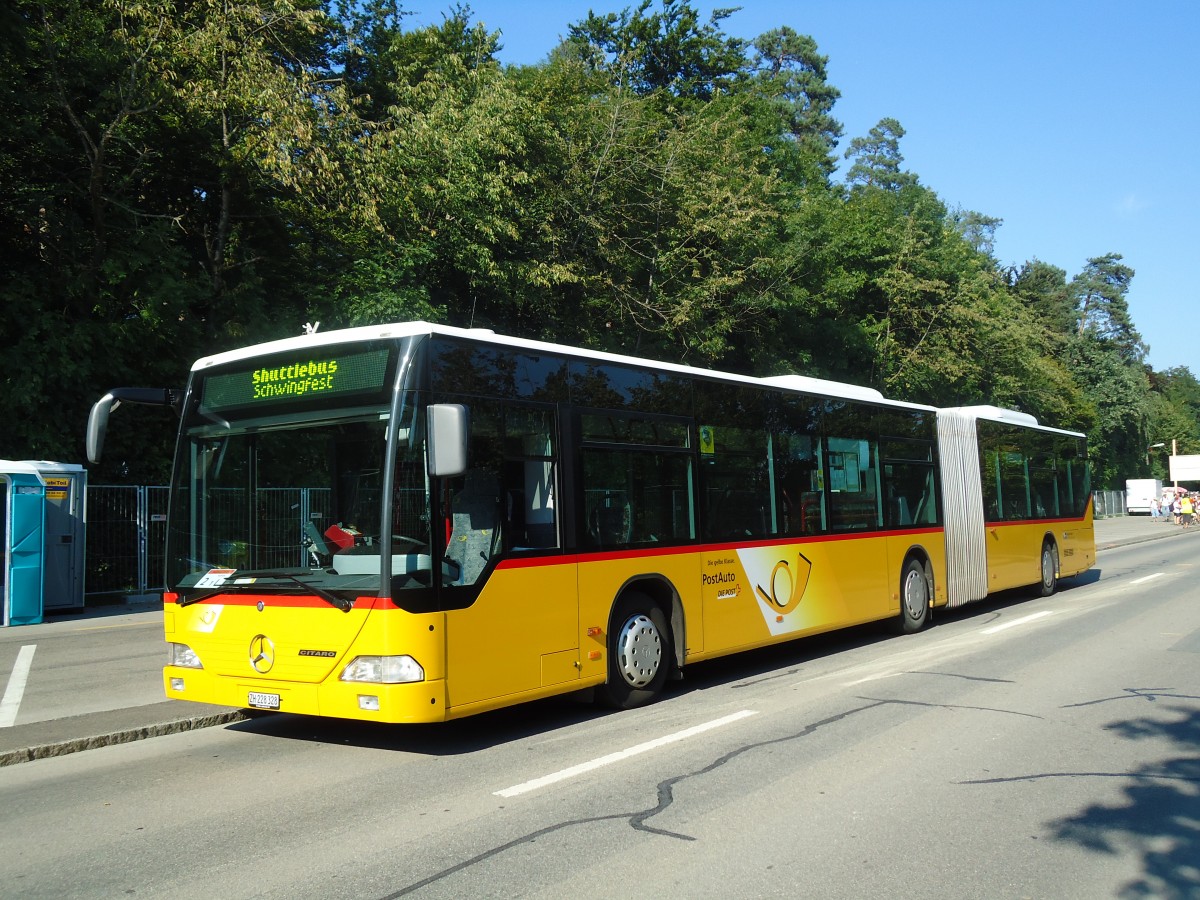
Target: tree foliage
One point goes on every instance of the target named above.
(180, 178)
(877, 158)
(668, 50)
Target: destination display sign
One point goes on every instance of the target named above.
(329, 375)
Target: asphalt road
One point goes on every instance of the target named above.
(94, 677)
(1023, 747)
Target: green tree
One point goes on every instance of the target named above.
(877, 158)
(1106, 358)
(1120, 393)
(1174, 416)
(87, 268)
(259, 111)
(176, 157)
(1182, 388)
(380, 59)
(1101, 292)
(669, 51)
(455, 172)
(1044, 290)
(667, 220)
(977, 229)
(790, 72)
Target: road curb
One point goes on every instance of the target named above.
(123, 736)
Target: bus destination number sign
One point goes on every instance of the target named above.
(314, 376)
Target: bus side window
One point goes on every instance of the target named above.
(475, 523)
(735, 474)
(529, 504)
(530, 470)
(801, 503)
(853, 484)
(633, 496)
(908, 483)
(990, 477)
(610, 524)
(476, 501)
(635, 479)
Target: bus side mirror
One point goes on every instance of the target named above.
(97, 426)
(447, 427)
(98, 418)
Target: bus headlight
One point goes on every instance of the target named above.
(183, 655)
(384, 670)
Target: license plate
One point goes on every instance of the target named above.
(263, 701)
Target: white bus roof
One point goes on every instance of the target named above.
(1000, 414)
(799, 383)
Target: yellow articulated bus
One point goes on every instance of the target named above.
(414, 523)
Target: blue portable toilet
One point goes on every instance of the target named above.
(42, 533)
(64, 544)
(22, 533)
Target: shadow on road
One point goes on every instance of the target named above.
(1158, 816)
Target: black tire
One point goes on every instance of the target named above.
(914, 598)
(639, 653)
(1049, 566)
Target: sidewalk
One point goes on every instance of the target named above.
(93, 679)
(112, 657)
(1116, 531)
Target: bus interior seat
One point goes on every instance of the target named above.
(610, 525)
(926, 510)
(738, 514)
(475, 524)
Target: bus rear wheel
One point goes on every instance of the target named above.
(639, 643)
(1049, 583)
(914, 598)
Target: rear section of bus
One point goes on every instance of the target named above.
(1017, 497)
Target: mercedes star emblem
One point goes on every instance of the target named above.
(262, 654)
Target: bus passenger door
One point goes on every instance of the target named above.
(511, 609)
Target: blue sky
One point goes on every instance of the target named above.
(1077, 123)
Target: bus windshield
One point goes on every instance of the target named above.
(295, 502)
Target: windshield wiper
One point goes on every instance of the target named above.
(196, 598)
(332, 599)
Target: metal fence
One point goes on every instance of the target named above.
(280, 515)
(1108, 503)
(126, 537)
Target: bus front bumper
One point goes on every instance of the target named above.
(423, 701)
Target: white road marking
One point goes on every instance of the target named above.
(1148, 578)
(16, 686)
(1015, 622)
(879, 677)
(564, 774)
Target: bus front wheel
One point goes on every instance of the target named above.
(1049, 583)
(639, 643)
(914, 598)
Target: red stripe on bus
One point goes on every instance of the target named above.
(1006, 524)
(290, 601)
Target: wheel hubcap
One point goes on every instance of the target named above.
(639, 651)
(1047, 567)
(914, 594)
